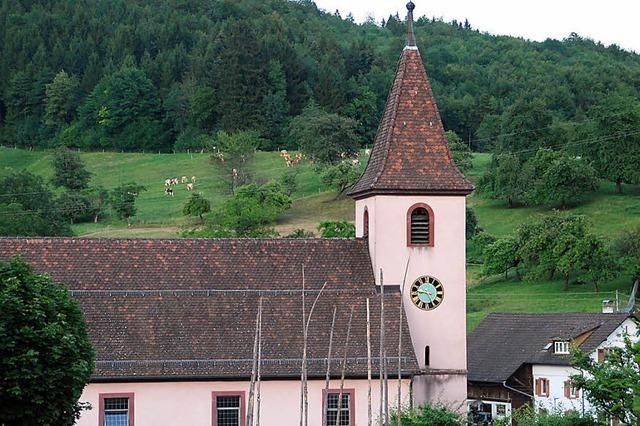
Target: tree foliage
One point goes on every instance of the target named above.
(69, 171)
(340, 176)
(233, 152)
(324, 137)
(337, 229)
(612, 386)
(553, 244)
(197, 205)
(46, 358)
(252, 211)
(123, 199)
(615, 140)
(460, 152)
(548, 178)
(28, 207)
(255, 65)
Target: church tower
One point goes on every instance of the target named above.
(411, 206)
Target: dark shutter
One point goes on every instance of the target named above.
(420, 226)
(538, 387)
(567, 389)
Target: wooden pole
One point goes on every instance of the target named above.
(259, 372)
(328, 376)
(381, 360)
(304, 352)
(254, 368)
(399, 403)
(368, 364)
(344, 370)
(306, 335)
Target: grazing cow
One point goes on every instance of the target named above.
(167, 182)
(189, 187)
(184, 179)
(193, 179)
(355, 162)
(367, 152)
(174, 181)
(169, 192)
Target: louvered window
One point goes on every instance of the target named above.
(420, 227)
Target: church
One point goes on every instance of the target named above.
(173, 321)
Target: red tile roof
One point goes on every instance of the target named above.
(410, 154)
(169, 309)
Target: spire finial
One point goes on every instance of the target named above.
(411, 37)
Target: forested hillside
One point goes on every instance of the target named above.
(138, 75)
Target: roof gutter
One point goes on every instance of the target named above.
(516, 390)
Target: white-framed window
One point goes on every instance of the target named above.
(116, 409)
(561, 347)
(228, 409)
(342, 416)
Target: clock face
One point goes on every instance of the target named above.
(427, 293)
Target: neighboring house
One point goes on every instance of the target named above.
(516, 359)
(173, 321)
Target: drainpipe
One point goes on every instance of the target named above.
(516, 390)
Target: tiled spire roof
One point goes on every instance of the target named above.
(410, 153)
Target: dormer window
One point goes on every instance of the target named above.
(561, 347)
(420, 226)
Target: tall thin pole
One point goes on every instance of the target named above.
(254, 368)
(368, 364)
(259, 372)
(381, 348)
(399, 403)
(304, 351)
(344, 369)
(328, 376)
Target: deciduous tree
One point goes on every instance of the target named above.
(69, 171)
(46, 358)
(612, 386)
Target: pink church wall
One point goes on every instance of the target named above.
(190, 403)
(443, 329)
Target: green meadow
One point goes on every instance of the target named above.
(161, 216)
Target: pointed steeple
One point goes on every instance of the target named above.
(410, 154)
(411, 37)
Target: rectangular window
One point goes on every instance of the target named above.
(542, 387)
(228, 409)
(570, 390)
(561, 347)
(116, 410)
(342, 416)
(602, 355)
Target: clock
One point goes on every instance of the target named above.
(427, 293)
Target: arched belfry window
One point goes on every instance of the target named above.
(420, 226)
(365, 223)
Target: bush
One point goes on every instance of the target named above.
(429, 415)
(301, 233)
(251, 211)
(472, 227)
(341, 229)
(528, 417)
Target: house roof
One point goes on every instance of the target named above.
(185, 309)
(504, 341)
(410, 154)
